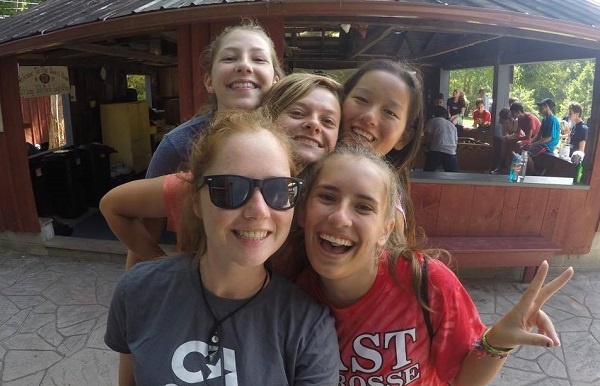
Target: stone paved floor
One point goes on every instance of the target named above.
(53, 315)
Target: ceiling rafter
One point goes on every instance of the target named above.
(365, 47)
(124, 53)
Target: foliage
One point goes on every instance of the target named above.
(8, 7)
(565, 82)
(138, 82)
(470, 81)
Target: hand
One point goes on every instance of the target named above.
(526, 147)
(514, 328)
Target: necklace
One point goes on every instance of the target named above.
(214, 342)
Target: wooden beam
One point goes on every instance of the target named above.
(123, 53)
(373, 42)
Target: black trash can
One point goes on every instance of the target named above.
(64, 175)
(96, 171)
(39, 183)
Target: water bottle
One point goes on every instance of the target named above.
(523, 170)
(579, 173)
(515, 168)
(459, 120)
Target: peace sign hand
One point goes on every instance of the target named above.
(514, 328)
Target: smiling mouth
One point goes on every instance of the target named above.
(308, 141)
(335, 244)
(245, 85)
(251, 235)
(363, 134)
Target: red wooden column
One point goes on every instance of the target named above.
(17, 204)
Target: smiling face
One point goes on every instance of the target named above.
(248, 235)
(376, 110)
(346, 221)
(242, 71)
(313, 124)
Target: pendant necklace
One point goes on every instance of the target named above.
(214, 341)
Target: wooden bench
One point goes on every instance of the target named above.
(526, 251)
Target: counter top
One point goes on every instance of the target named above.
(493, 180)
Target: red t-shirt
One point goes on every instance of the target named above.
(528, 121)
(485, 115)
(383, 337)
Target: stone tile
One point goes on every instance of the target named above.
(552, 366)
(87, 367)
(11, 326)
(71, 315)
(79, 328)
(34, 285)
(51, 334)
(509, 376)
(2, 352)
(73, 290)
(46, 308)
(104, 293)
(7, 309)
(523, 364)
(573, 324)
(72, 344)
(35, 321)
(26, 301)
(21, 363)
(27, 342)
(581, 356)
(96, 338)
(30, 380)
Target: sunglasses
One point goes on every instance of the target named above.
(231, 191)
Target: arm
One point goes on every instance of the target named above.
(122, 208)
(514, 329)
(581, 146)
(126, 370)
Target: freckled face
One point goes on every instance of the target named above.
(313, 124)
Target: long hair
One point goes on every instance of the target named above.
(404, 241)
(415, 121)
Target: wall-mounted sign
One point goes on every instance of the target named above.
(43, 80)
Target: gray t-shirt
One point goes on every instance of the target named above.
(282, 337)
(444, 137)
(174, 147)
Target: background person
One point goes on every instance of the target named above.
(579, 131)
(215, 315)
(482, 119)
(441, 140)
(456, 106)
(548, 136)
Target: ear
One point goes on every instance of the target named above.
(407, 136)
(385, 234)
(208, 84)
(276, 79)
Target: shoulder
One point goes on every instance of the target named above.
(441, 277)
(287, 292)
(155, 273)
(190, 128)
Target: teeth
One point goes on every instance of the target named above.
(307, 141)
(363, 134)
(252, 235)
(242, 85)
(335, 241)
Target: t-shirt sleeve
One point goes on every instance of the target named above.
(116, 326)
(318, 362)
(456, 322)
(165, 159)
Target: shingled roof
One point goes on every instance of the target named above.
(53, 15)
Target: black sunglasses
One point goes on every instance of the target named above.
(231, 191)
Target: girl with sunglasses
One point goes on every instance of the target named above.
(307, 106)
(215, 315)
(397, 322)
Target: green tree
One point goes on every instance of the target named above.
(9, 7)
(471, 80)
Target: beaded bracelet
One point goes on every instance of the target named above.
(488, 350)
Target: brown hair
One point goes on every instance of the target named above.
(398, 244)
(404, 158)
(205, 149)
(576, 108)
(295, 86)
(248, 25)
